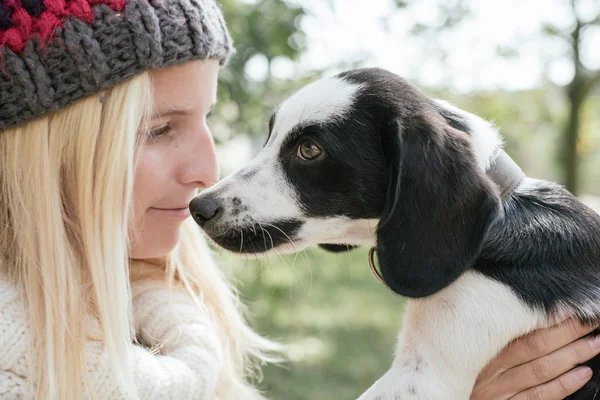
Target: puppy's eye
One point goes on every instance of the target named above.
(307, 150)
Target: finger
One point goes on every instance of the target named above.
(550, 366)
(541, 343)
(558, 388)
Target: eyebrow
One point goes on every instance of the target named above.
(177, 111)
(168, 113)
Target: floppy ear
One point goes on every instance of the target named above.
(438, 206)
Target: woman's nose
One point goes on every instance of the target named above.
(200, 167)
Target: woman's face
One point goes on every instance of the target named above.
(178, 158)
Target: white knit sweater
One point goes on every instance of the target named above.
(186, 367)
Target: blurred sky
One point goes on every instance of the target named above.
(376, 32)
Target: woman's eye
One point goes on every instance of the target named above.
(159, 132)
(307, 150)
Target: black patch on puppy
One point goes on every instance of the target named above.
(249, 174)
(271, 124)
(438, 210)
(349, 178)
(337, 248)
(546, 248)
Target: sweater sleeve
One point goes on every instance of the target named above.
(184, 364)
(12, 386)
(186, 339)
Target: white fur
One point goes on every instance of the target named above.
(324, 100)
(360, 232)
(485, 137)
(448, 338)
(531, 184)
(274, 200)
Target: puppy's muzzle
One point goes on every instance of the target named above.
(205, 208)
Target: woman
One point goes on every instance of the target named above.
(107, 289)
(90, 191)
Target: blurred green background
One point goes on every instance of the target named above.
(338, 322)
(532, 67)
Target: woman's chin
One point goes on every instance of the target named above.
(157, 245)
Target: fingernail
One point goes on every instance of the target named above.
(583, 373)
(595, 342)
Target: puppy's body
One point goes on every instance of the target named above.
(412, 176)
(534, 268)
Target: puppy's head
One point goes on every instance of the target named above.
(353, 159)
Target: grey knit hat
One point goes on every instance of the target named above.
(55, 52)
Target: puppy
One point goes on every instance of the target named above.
(483, 253)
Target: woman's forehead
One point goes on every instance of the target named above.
(184, 87)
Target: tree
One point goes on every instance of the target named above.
(266, 30)
(577, 91)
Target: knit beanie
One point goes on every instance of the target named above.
(55, 52)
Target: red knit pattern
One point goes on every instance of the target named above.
(25, 27)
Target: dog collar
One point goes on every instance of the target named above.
(374, 269)
(505, 173)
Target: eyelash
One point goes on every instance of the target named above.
(157, 133)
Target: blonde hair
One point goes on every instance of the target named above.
(65, 198)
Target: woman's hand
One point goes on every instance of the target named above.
(539, 365)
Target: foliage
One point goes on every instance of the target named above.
(530, 123)
(577, 91)
(338, 321)
(570, 40)
(265, 30)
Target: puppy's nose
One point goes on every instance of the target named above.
(204, 208)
